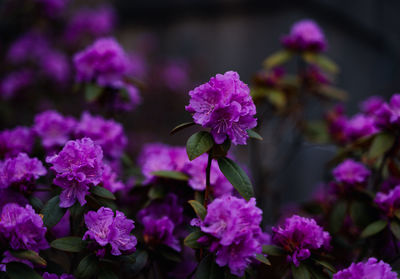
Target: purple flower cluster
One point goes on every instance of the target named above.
(389, 202)
(360, 125)
(15, 141)
(160, 157)
(370, 269)
(160, 221)
(90, 22)
(20, 171)
(78, 166)
(105, 228)
(109, 180)
(351, 173)
(232, 228)
(106, 133)
(53, 129)
(22, 227)
(299, 236)
(52, 7)
(305, 35)
(224, 104)
(15, 82)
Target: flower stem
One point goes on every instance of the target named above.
(208, 172)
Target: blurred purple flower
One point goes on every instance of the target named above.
(370, 269)
(109, 180)
(175, 75)
(224, 104)
(78, 166)
(371, 105)
(305, 35)
(47, 275)
(389, 202)
(12, 142)
(360, 126)
(351, 172)
(53, 8)
(31, 46)
(105, 228)
(8, 258)
(23, 228)
(299, 236)
(15, 82)
(55, 65)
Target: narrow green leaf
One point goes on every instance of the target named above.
(69, 244)
(326, 265)
(397, 214)
(29, 255)
(333, 93)
(198, 144)
(177, 175)
(380, 145)
(272, 250)
(237, 177)
(92, 92)
(277, 58)
(208, 269)
(191, 240)
(200, 210)
(52, 212)
(337, 216)
(300, 272)
(181, 127)
(87, 267)
(107, 274)
(102, 192)
(321, 61)
(169, 253)
(16, 270)
(253, 134)
(263, 259)
(374, 228)
(395, 228)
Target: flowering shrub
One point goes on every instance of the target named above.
(77, 200)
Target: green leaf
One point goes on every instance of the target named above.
(254, 135)
(52, 212)
(332, 93)
(300, 272)
(198, 144)
(69, 244)
(156, 192)
(272, 250)
(141, 257)
(321, 61)
(395, 228)
(17, 270)
(276, 97)
(397, 214)
(200, 210)
(380, 145)
(36, 203)
(277, 58)
(181, 127)
(177, 175)
(191, 240)
(92, 92)
(29, 255)
(87, 267)
(263, 259)
(208, 269)
(220, 150)
(237, 177)
(102, 192)
(107, 274)
(317, 131)
(337, 216)
(326, 265)
(374, 228)
(169, 253)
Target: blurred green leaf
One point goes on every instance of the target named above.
(92, 92)
(208, 269)
(326, 265)
(198, 208)
(102, 192)
(237, 177)
(17, 270)
(263, 259)
(36, 203)
(52, 212)
(317, 132)
(177, 175)
(374, 228)
(106, 273)
(29, 255)
(300, 272)
(277, 59)
(191, 239)
(337, 216)
(69, 244)
(87, 267)
(380, 145)
(254, 135)
(272, 250)
(141, 257)
(395, 228)
(198, 144)
(321, 61)
(181, 127)
(332, 93)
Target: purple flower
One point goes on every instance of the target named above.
(106, 133)
(53, 128)
(305, 35)
(390, 113)
(389, 202)
(21, 171)
(23, 228)
(160, 221)
(128, 99)
(371, 105)
(360, 126)
(63, 227)
(196, 170)
(30, 46)
(224, 104)
(15, 82)
(105, 228)
(351, 172)
(8, 258)
(78, 166)
(109, 180)
(337, 123)
(90, 22)
(232, 228)
(52, 7)
(175, 75)
(55, 66)
(372, 269)
(299, 236)
(12, 142)
(104, 62)
(160, 157)
(47, 275)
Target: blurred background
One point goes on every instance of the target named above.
(181, 44)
